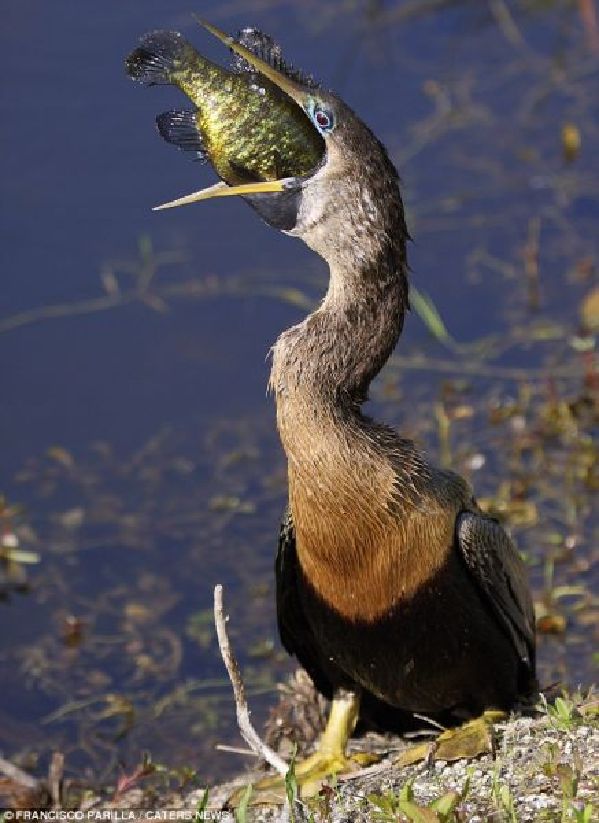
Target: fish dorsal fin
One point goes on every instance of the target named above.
(267, 49)
(179, 127)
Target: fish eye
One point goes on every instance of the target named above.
(323, 118)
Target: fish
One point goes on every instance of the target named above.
(242, 123)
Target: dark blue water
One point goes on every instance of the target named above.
(473, 123)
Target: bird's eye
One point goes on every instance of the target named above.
(324, 119)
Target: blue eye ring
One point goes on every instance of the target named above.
(322, 117)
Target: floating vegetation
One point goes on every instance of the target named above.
(13, 557)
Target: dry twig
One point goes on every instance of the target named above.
(249, 734)
(55, 778)
(18, 776)
(221, 747)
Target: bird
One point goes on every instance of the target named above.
(392, 584)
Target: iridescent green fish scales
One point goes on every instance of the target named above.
(248, 128)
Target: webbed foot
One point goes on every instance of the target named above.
(328, 760)
(471, 739)
(310, 774)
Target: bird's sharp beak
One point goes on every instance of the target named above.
(223, 190)
(286, 84)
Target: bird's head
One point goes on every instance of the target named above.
(353, 188)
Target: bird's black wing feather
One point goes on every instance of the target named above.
(296, 634)
(495, 565)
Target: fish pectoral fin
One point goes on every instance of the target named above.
(223, 190)
(179, 127)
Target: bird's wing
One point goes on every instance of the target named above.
(296, 634)
(500, 574)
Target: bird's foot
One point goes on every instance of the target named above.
(471, 739)
(310, 774)
(328, 760)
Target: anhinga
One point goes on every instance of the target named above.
(390, 580)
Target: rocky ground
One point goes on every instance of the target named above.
(542, 770)
(543, 766)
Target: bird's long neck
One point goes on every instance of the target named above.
(373, 522)
(328, 361)
(341, 483)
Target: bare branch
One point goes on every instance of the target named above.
(17, 775)
(221, 747)
(55, 777)
(249, 734)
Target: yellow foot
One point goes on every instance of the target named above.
(469, 740)
(328, 760)
(310, 774)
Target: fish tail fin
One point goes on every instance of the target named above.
(158, 57)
